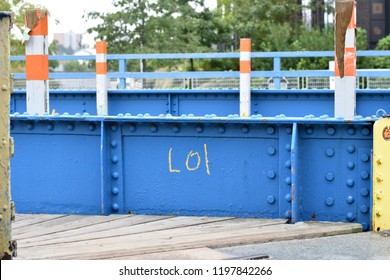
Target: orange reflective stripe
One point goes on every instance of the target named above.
(352, 23)
(101, 68)
(245, 67)
(245, 45)
(41, 28)
(349, 63)
(37, 67)
(101, 47)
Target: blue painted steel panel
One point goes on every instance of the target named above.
(298, 168)
(331, 171)
(56, 169)
(210, 174)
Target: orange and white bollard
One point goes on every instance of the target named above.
(345, 60)
(245, 77)
(101, 78)
(37, 62)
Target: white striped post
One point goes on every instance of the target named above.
(101, 78)
(345, 59)
(245, 77)
(37, 62)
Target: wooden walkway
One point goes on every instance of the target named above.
(153, 237)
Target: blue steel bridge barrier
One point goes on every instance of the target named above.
(186, 152)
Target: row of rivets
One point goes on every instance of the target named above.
(199, 128)
(365, 131)
(50, 126)
(115, 175)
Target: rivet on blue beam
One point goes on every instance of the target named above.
(288, 164)
(288, 147)
(71, 126)
(289, 130)
(191, 115)
(364, 209)
(271, 199)
(350, 216)
(16, 114)
(350, 183)
(132, 127)
(50, 126)
(351, 149)
(168, 116)
(351, 131)
(114, 144)
(114, 159)
(324, 117)
(120, 115)
(91, 127)
(26, 114)
(140, 116)
(309, 130)
(364, 192)
(329, 201)
(65, 114)
(329, 176)
(176, 129)
(288, 197)
(329, 152)
(365, 226)
(30, 126)
(287, 180)
(287, 214)
(351, 165)
(271, 174)
(86, 115)
(365, 157)
(128, 115)
(115, 175)
(78, 115)
(115, 207)
(221, 129)
(309, 117)
(330, 131)
(281, 116)
(270, 130)
(115, 191)
(365, 131)
(199, 128)
(245, 129)
(114, 128)
(271, 151)
(365, 175)
(153, 128)
(147, 115)
(350, 199)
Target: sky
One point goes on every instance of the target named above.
(69, 13)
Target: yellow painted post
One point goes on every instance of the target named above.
(7, 246)
(381, 176)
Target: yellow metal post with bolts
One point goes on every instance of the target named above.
(381, 176)
(7, 213)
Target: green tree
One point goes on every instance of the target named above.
(382, 62)
(146, 26)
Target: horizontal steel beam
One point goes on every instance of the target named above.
(297, 168)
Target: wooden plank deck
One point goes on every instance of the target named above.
(153, 237)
